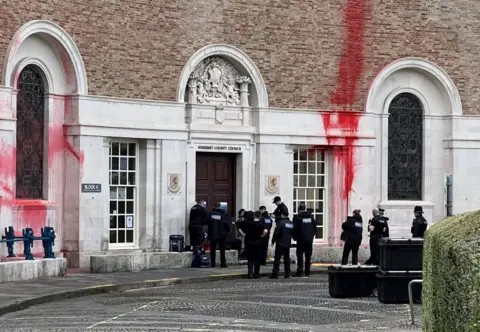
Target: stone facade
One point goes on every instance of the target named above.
(138, 50)
(261, 85)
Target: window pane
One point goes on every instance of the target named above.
(302, 168)
(129, 236)
(295, 168)
(129, 193)
(115, 149)
(113, 192)
(132, 149)
(312, 168)
(295, 180)
(30, 134)
(320, 168)
(405, 148)
(121, 192)
(123, 178)
(295, 195)
(121, 221)
(113, 236)
(131, 178)
(115, 163)
(130, 207)
(302, 180)
(301, 194)
(311, 181)
(123, 164)
(303, 155)
(123, 149)
(310, 194)
(295, 155)
(320, 181)
(114, 178)
(121, 236)
(131, 164)
(311, 205)
(113, 207)
(121, 207)
(113, 222)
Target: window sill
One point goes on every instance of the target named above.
(388, 205)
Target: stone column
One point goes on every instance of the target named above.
(244, 82)
(192, 86)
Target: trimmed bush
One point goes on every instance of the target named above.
(451, 275)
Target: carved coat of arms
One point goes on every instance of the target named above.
(272, 184)
(174, 182)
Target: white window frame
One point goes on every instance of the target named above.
(324, 201)
(134, 244)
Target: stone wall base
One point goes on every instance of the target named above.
(29, 270)
(148, 261)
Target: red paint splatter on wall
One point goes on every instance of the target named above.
(66, 63)
(351, 64)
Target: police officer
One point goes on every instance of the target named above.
(267, 221)
(282, 237)
(254, 231)
(217, 231)
(281, 208)
(352, 235)
(378, 228)
(304, 230)
(198, 215)
(419, 224)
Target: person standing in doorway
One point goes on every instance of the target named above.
(198, 216)
(419, 224)
(304, 230)
(267, 221)
(282, 237)
(352, 235)
(217, 231)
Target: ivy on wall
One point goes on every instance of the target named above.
(451, 273)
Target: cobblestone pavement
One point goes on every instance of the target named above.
(284, 305)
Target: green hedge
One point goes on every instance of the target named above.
(451, 275)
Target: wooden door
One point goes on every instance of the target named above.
(215, 179)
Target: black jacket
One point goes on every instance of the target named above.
(282, 235)
(352, 230)
(217, 225)
(267, 221)
(281, 209)
(253, 230)
(304, 227)
(419, 226)
(380, 227)
(198, 215)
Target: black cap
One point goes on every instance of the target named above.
(302, 207)
(262, 207)
(277, 199)
(381, 210)
(418, 209)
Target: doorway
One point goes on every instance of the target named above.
(215, 179)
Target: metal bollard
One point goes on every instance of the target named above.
(410, 297)
(27, 243)
(48, 241)
(9, 237)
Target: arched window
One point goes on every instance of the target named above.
(30, 133)
(405, 148)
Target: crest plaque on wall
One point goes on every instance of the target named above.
(272, 184)
(174, 182)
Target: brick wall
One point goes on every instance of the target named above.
(132, 49)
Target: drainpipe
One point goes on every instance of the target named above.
(449, 195)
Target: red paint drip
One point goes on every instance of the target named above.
(351, 64)
(342, 127)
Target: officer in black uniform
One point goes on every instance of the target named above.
(282, 237)
(378, 228)
(198, 215)
(352, 235)
(419, 224)
(267, 221)
(281, 208)
(254, 231)
(304, 230)
(217, 231)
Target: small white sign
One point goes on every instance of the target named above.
(129, 221)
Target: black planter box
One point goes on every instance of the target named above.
(345, 281)
(393, 287)
(400, 254)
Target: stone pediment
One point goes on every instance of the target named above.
(216, 82)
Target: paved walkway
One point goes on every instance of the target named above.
(22, 294)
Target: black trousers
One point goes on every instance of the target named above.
(304, 248)
(196, 235)
(346, 252)
(213, 248)
(373, 251)
(279, 252)
(264, 250)
(254, 256)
